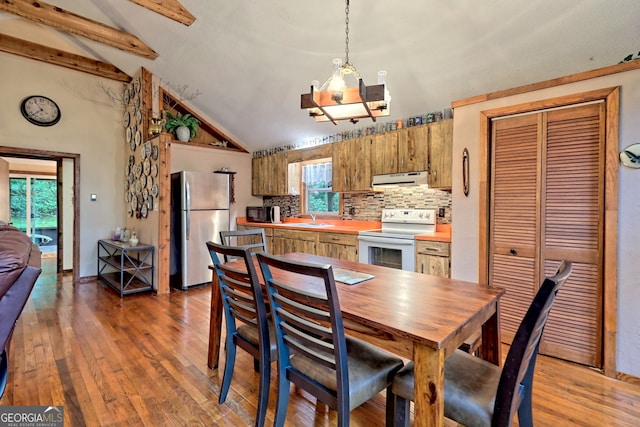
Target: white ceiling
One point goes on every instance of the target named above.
(251, 59)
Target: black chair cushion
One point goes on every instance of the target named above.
(370, 369)
(470, 385)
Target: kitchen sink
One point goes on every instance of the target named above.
(306, 224)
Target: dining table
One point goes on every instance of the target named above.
(417, 316)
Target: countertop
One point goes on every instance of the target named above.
(442, 233)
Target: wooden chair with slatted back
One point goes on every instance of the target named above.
(341, 372)
(478, 393)
(246, 319)
(252, 239)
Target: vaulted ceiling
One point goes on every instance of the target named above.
(251, 59)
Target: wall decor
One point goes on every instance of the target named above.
(630, 156)
(465, 172)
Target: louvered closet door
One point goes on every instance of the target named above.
(573, 193)
(547, 191)
(514, 219)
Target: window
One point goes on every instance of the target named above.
(316, 181)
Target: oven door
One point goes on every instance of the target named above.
(387, 252)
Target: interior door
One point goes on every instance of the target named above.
(547, 198)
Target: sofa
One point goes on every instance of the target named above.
(19, 270)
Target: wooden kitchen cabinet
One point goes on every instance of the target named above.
(384, 153)
(337, 245)
(440, 154)
(351, 165)
(269, 175)
(413, 149)
(285, 241)
(268, 234)
(433, 258)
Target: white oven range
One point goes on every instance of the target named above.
(394, 244)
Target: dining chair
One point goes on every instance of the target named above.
(478, 393)
(313, 351)
(247, 322)
(254, 239)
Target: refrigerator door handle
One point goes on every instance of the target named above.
(187, 196)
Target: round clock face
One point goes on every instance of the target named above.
(40, 110)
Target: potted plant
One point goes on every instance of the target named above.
(183, 126)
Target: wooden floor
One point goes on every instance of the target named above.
(141, 360)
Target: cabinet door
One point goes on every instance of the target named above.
(269, 175)
(351, 164)
(440, 153)
(384, 153)
(433, 258)
(258, 172)
(413, 149)
(336, 245)
(286, 241)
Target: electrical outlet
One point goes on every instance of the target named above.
(441, 212)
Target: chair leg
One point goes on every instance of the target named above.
(283, 400)
(229, 363)
(398, 414)
(263, 393)
(525, 414)
(256, 365)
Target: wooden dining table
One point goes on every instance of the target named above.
(416, 316)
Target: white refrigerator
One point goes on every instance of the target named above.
(200, 210)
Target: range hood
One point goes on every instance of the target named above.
(399, 179)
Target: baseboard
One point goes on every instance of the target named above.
(628, 378)
(87, 279)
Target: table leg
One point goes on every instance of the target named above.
(429, 386)
(490, 348)
(215, 324)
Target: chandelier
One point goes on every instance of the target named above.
(344, 96)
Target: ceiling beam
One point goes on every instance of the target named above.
(172, 9)
(58, 57)
(63, 20)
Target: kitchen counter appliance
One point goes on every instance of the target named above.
(199, 211)
(394, 244)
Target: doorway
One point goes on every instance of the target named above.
(46, 188)
(607, 171)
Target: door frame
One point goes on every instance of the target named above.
(611, 97)
(57, 156)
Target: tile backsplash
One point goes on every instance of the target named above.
(368, 206)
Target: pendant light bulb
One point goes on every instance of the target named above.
(337, 85)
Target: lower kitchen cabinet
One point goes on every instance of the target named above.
(268, 234)
(127, 269)
(433, 258)
(285, 241)
(340, 246)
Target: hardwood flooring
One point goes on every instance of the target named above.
(141, 360)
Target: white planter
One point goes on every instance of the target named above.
(183, 133)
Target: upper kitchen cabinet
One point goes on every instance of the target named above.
(269, 175)
(351, 168)
(384, 153)
(440, 154)
(413, 149)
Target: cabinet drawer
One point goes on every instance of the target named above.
(297, 235)
(338, 238)
(433, 248)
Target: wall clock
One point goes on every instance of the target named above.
(40, 110)
(630, 156)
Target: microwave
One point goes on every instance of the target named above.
(258, 214)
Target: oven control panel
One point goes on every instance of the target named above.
(409, 216)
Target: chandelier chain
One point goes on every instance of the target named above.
(346, 32)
